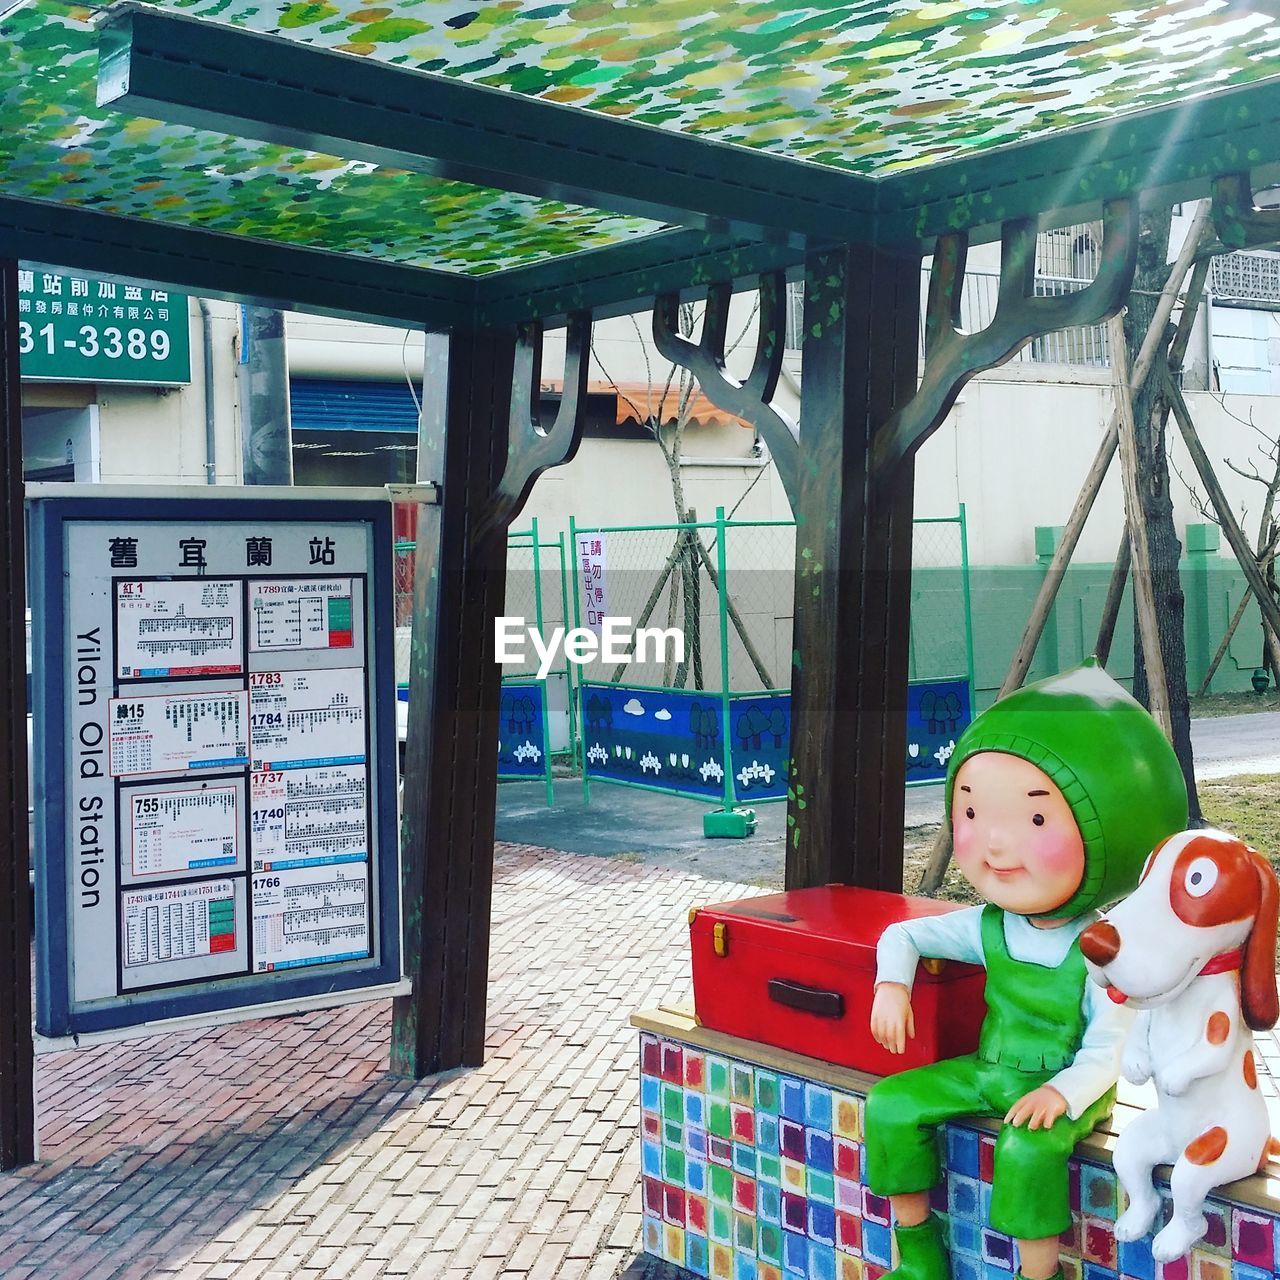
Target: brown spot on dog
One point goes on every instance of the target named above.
(1208, 1147)
(1218, 1029)
(1250, 1070)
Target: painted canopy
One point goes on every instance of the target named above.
(874, 87)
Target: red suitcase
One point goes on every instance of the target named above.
(797, 970)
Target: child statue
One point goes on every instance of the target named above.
(1056, 795)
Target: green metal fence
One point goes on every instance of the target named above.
(729, 586)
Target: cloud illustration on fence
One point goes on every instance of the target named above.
(633, 707)
(662, 714)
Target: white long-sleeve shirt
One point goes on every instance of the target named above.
(957, 935)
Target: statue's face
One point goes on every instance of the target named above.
(1016, 840)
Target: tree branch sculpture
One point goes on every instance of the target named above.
(531, 448)
(952, 356)
(705, 359)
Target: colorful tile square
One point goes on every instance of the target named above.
(717, 1077)
(792, 1099)
(741, 1085)
(767, 1132)
(817, 1106)
(846, 1115)
(793, 1176)
(962, 1151)
(848, 1232)
(1098, 1192)
(875, 1208)
(1097, 1242)
(794, 1212)
(673, 1068)
(695, 1069)
(964, 1196)
(769, 1205)
(743, 1121)
(822, 1261)
(819, 1154)
(696, 1258)
(822, 1223)
(848, 1267)
(768, 1093)
(791, 1139)
(820, 1187)
(1254, 1239)
(877, 1243)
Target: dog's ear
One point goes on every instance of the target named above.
(1259, 1000)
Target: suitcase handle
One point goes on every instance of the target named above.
(826, 1004)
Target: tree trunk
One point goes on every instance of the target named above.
(1151, 414)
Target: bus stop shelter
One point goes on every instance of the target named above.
(489, 170)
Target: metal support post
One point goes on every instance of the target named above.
(17, 1066)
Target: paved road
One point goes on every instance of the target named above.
(645, 826)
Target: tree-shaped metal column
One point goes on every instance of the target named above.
(849, 474)
(486, 453)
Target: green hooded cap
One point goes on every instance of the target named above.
(1109, 759)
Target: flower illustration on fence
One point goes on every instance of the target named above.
(710, 769)
(650, 761)
(527, 751)
(755, 771)
(597, 754)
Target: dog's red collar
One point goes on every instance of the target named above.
(1224, 962)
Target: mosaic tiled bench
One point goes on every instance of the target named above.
(751, 1161)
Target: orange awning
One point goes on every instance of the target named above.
(638, 401)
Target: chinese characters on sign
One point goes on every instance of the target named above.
(87, 329)
(591, 565)
(218, 802)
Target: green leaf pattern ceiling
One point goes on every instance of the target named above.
(56, 144)
(874, 86)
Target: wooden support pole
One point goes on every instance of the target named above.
(450, 784)
(17, 1066)
(853, 573)
(1236, 619)
(1227, 519)
(1143, 593)
(1115, 594)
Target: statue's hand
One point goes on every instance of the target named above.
(892, 1020)
(1038, 1109)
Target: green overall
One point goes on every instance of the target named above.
(1033, 1028)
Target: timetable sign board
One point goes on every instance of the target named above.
(219, 826)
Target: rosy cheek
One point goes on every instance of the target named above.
(964, 838)
(1057, 851)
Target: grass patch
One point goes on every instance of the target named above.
(1235, 704)
(1248, 806)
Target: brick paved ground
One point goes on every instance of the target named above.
(284, 1148)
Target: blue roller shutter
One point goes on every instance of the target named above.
(321, 404)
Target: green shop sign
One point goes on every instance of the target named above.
(80, 328)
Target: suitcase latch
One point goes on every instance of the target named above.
(720, 939)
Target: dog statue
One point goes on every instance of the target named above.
(1193, 950)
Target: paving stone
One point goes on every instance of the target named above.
(285, 1148)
